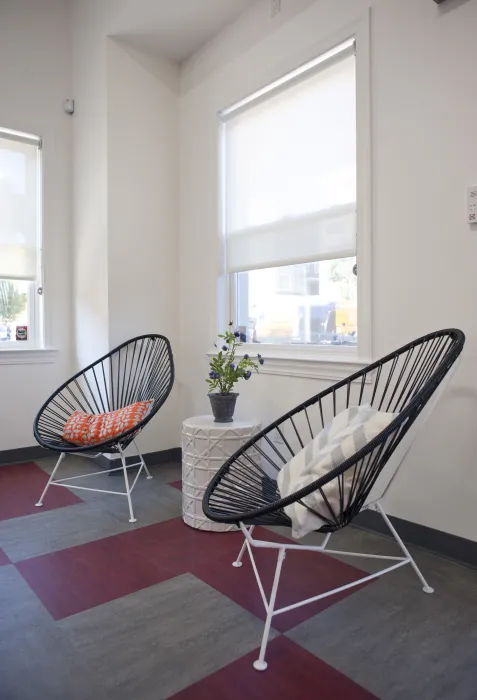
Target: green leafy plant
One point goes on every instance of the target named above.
(226, 369)
(12, 302)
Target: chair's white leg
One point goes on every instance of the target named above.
(60, 459)
(238, 561)
(148, 475)
(132, 519)
(425, 586)
(261, 664)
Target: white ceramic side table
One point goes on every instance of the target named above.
(206, 445)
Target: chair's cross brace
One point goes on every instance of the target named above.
(99, 473)
(137, 476)
(257, 576)
(282, 547)
(87, 488)
(341, 588)
(264, 544)
(66, 482)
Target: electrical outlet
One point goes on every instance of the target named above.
(471, 209)
(275, 7)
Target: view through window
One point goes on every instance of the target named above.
(309, 303)
(14, 309)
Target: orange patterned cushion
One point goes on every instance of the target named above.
(89, 429)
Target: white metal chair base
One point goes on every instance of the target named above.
(124, 467)
(249, 543)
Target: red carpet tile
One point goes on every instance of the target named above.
(4, 560)
(292, 673)
(176, 484)
(21, 486)
(79, 578)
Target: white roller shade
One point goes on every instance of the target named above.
(19, 214)
(290, 171)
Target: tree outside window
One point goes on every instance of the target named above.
(13, 303)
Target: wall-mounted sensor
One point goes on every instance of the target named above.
(69, 106)
(275, 7)
(471, 209)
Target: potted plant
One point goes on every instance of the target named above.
(225, 371)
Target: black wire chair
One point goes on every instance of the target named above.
(141, 369)
(244, 491)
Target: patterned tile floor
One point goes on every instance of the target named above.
(93, 608)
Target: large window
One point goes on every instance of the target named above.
(289, 206)
(20, 240)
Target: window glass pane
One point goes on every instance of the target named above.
(313, 303)
(13, 310)
(19, 187)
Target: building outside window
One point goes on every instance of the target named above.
(20, 240)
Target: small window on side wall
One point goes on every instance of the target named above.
(20, 240)
(290, 206)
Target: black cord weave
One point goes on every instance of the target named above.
(140, 369)
(245, 489)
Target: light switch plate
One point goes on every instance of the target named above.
(472, 205)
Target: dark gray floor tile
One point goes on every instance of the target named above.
(37, 662)
(399, 642)
(152, 643)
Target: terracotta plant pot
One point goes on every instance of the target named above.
(223, 407)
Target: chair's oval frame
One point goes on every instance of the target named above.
(147, 385)
(263, 515)
(122, 438)
(409, 414)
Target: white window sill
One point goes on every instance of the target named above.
(27, 356)
(305, 362)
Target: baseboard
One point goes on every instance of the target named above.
(25, 454)
(28, 454)
(152, 459)
(444, 544)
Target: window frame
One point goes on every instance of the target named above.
(315, 361)
(36, 330)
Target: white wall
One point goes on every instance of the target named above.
(35, 79)
(143, 208)
(424, 254)
(125, 195)
(90, 258)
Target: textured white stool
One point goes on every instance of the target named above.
(206, 445)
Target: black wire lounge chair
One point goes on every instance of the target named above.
(244, 491)
(141, 369)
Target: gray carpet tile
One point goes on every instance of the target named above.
(392, 638)
(399, 642)
(19, 608)
(37, 661)
(151, 644)
(101, 515)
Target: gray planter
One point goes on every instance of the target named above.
(223, 407)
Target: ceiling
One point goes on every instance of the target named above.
(175, 29)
